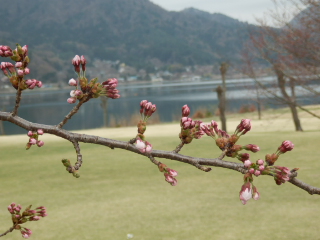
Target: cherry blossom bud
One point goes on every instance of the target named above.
(32, 141)
(247, 163)
(76, 60)
(39, 84)
(40, 131)
(72, 93)
(261, 167)
(72, 82)
(30, 133)
(245, 193)
(40, 143)
(25, 49)
(252, 147)
(26, 71)
(148, 147)
(172, 172)
(20, 72)
(185, 111)
(143, 103)
(18, 64)
(244, 126)
(140, 145)
(260, 162)
(251, 170)
(256, 194)
(83, 63)
(257, 173)
(71, 100)
(286, 146)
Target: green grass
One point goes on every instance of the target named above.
(121, 192)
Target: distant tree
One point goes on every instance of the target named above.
(291, 51)
(221, 91)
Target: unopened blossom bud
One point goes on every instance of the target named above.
(148, 147)
(140, 145)
(40, 143)
(243, 156)
(255, 194)
(34, 218)
(72, 82)
(261, 167)
(71, 100)
(171, 172)
(260, 162)
(244, 126)
(247, 163)
(20, 72)
(26, 71)
(251, 170)
(32, 141)
(252, 147)
(30, 133)
(185, 111)
(18, 64)
(286, 146)
(257, 173)
(83, 63)
(40, 131)
(76, 63)
(245, 193)
(25, 50)
(143, 103)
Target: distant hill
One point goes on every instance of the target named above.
(134, 32)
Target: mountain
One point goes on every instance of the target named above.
(135, 32)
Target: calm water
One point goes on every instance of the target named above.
(49, 107)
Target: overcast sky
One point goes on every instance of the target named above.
(243, 10)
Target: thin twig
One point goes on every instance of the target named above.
(179, 147)
(73, 111)
(18, 100)
(10, 230)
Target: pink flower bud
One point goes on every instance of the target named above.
(76, 60)
(247, 163)
(20, 72)
(26, 71)
(25, 49)
(252, 147)
(286, 146)
(83, 63)
(260, 162)
(148, 147)
(168, 178)
(32, 141)
(78, 92)
(256, 194)
(39, 84)
(251, 170)
(34, 218)
(140, 145)
(261, 167)
(40, 131)
(72, 82)
(18, 64)
(30, 133)
(143, 103)
(71, 100)
(40, 143)
(185, 111)
(172, 172)
(245, 193)
(257, 173)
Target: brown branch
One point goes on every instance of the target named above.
(18, 100)
(10, 230)
(197, 162)
(73, 111)
(179, 147)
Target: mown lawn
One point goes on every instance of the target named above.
(121, 192)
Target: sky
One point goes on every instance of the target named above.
(243, 10)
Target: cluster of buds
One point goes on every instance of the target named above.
(33, 138)
(169, 174)
(248, 191)
(92, 88)
(5, 51)
(280, 174)
(243, 127)
(28, 214)
(143, 146)
(146, 110)
(17, 72)
(284, 147)
(255, 168)
(189, 129)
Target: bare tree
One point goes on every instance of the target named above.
(291, 53)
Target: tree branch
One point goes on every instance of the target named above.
(200, 163)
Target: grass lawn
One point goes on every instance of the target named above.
(120, 192)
